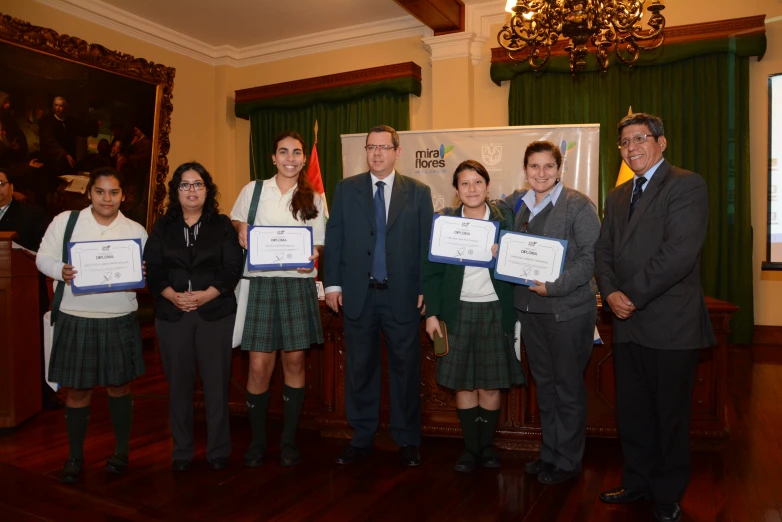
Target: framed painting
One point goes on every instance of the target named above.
(68, 107)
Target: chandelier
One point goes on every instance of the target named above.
(537, 25)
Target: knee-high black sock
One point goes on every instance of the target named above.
(121, 409)
(294, 401)
(257, 404)
(488, 423)
(468, 419)
(76, 421)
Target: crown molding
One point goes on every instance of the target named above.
(455, 45)
(142, 29)
(480, 17)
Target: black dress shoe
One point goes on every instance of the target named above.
(668, 512)
(117, 464)
(536, 467)
(353, 454)
(253, 459)
(489, 458)
(620, 495)
(181, 465)
(71, 471)
(218, 463)
(556, 476)
(466, 463)
(410, 456)
(289, 456)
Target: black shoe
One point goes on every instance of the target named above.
(536, 467)
(253, 458)
(181, 465)
(117, 464)
(218, 463)
(71, 471)
(556, 476)
(489, 458)
(289, 456)
(410, 456)
(466, 463)
(668, 512)
(620, 495)
(353, 454)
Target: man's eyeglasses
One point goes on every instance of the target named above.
(637, 140)
(185, 186)
(381, 148)
(4, 183)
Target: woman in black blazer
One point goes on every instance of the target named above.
(193, 264)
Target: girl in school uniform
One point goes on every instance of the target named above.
(283, 313)
(97, 339)
(480, 319)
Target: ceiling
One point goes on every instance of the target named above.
(245, 23)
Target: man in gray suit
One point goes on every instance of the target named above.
(647, 264)
(375, 237)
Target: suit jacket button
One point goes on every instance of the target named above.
(371, 233)
(369, 253)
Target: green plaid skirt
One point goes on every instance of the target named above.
(89, 352)
(480, 354)
(282, 314)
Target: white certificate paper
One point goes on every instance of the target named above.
(458, 240)
(106, 266)
(271, 248)
(524, 258)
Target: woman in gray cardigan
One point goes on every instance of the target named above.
(557, 317)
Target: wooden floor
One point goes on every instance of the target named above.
(743, 482)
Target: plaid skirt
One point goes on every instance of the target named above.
(282, 314)
(89, 352)
(480, 354)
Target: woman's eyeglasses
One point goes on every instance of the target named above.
(185, 186)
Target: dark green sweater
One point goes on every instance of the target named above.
(443, 283)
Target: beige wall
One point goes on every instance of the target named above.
(205, 129)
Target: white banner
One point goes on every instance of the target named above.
(432, 156)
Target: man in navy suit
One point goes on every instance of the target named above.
(375, 237)
(647, 265)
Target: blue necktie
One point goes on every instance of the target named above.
(379, 272)
(637, 193)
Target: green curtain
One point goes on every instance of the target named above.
(704, 102)
(334, 119)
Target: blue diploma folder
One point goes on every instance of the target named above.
(281, 264)
(109, 286)
(455, 260)
(521, 280)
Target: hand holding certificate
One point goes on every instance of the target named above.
(279, 248)
(106, 266)
(524, 258)
(462, 241)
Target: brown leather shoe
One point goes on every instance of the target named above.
(620, 495)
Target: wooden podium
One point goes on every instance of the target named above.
(20, 335)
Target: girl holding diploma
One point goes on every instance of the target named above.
(282, 308)
(97, 339)
(193, 264)
(479, 316)
(557, 317)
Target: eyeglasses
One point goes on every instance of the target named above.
(185, 186)
(638, 139)
(4, 183)
(381, 148)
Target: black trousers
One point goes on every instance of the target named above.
(362, 375)
(653, 393)
(558, 354)
(184, 345)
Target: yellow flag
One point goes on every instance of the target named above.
(625, 174)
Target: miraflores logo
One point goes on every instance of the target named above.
(432, 158)
(491, 154)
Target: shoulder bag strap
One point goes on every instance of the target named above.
(253, 208)
(60, 290)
